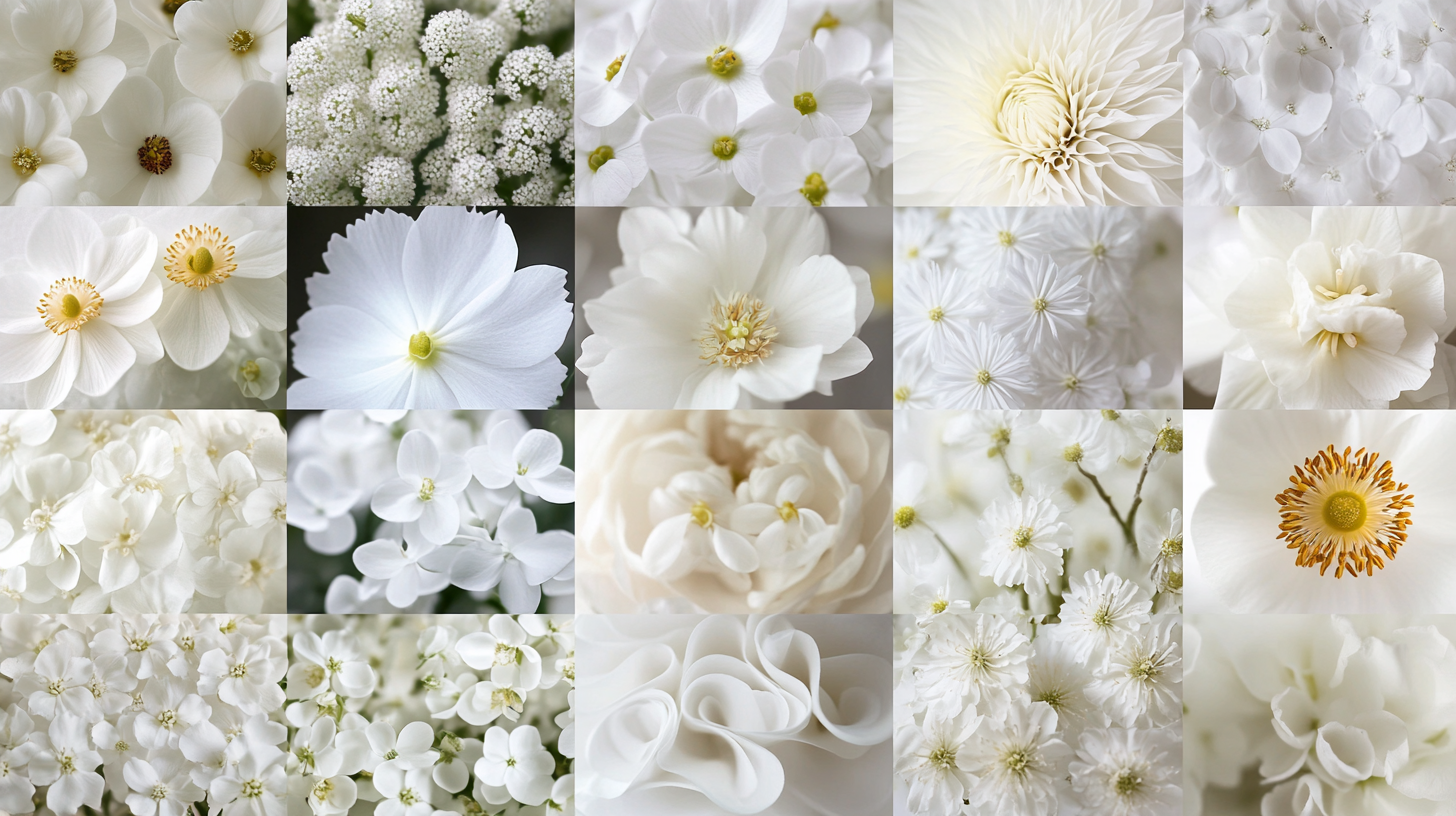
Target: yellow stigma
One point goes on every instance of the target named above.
(25, 161)
(702, 515)
(904, 517)
(936, 314)
(1170, 439)
(725, 147)
(983, 377)
(1006, 238)
(1072, 453)
(261, 162)
(240, 41)
(63, 61)
(788, 511)
(421, 346)
(814, 189)
(1098, 250)
(427, 489)
(902, 394)
(723, 62)
(615, 67)
(826, 20)
(1039, 305)
(250, 371)
(738, 332)
(939, 605)
(69, 304)
(1128, 782)
(1344, 510)
(805, 104)
(199, 257)
(599, 157)
(1022, 537)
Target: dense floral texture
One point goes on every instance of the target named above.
(1320, 714)
(774, 102)
(163, 306)
(1330, 511)
(134, 512)
(1320, 102)
(744, 511)
(426, 501)
(430, 313)
(733, 310)
(144, 102)
(167, 713)
(1035, 103)
(1339, 307)
(732, 714)
(998, 717)
(472, 99)
(420, 714)
(999, 308)
(1053, 514)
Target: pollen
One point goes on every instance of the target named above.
(64, 61)
(1005, 238)
(421, 346)
(69, 304)
(250, 371)
(815, 189)
(1039, 305)
(240, 41)
(723, 62)
(937, 314)
(599, 157)
(25, 161)
(805, 103)
(826, 20)
(261, 162)
(904, 517)
(1344, 510)
(200, 257)
(615, 68)
(1128, 783)
(702, 514)
(155, 155)
(944, 756)
(983, 377)
(427, 489)
(739, 332)
(788, 511)
(725, 147)
(1021, 537)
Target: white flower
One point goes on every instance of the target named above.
(707, 46)
(45, 163)
(430, 313)
(426, 489)
(731, 311)
(609, 161)
(1040, 103)
(1166, 546)
(980, 371)
(1103, 612)
(1142, 681)
(400, 567)
(67, 764)
(1041, 304)
(1024, 541)
(1019, 762)
(59, 46)
(227, 44)
(935, 760)
(714, 138)
(975, 661)
(517, 761)
(827, 105)
(531, 459)
(132, 534)
(518, 559)
(1125, 772)
(253, 168)
(933, 310)
(827, 172)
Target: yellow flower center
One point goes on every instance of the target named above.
(25, 161)
(902, 394)
(63, 61)
(1344, 510)
(155, 155)
(261, 162)
(1005, 238)
(739, 332)
(1022, 537)
(171, 6)
(805, 103)
(827, 20)
(69, 304)
(427, 489)
(702, 514)
(725, 147)
(200, 257)
(814, 189)
(904, 517)
(599, 157)
(421, 346)
(788, 511)
(937, 314)
(615, 67)
(250, 371)
(240, 41)
(1035, 115)
(723, 61)
(983, 377)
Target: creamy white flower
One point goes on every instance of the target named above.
(45, 163)
(224, 45)
(1126, 772)
(253, 168)
(934, 310)
(934, 758)
(1024, 541)
(827, 172)
(610, 161)
(59, 46)
(974, 660)
(1019, 762)
(1041, 304)
(1142, 682)
(1103, 612)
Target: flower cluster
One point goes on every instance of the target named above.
(473, 100)
(1307, 714)
(772, 102)
(1325, 511)
(142, 102)
(994, 716)
(167, 713)
(1038, 102)
(735, 310)
(1321, 102)
(735, 714)
(413, 715)
(1003, 308)
(1339, 307)
(439, 500)
(430, 313)
(744, 511)
(1029, 513)
(134, 512)
(175, 307)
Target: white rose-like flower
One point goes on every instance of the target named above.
(1038, 103)
(812, 499)
(741, 308)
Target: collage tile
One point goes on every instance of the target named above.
(845, 374)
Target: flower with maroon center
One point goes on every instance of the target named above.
(153, 148)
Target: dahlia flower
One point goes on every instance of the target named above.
(1035, 103)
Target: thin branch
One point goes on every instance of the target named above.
(961, 568)
(1137, 495)
(1105, 498)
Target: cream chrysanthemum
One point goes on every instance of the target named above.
(1036, 103)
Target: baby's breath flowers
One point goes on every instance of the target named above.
(397, 102)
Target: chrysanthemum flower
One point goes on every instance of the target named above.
(1045, 102)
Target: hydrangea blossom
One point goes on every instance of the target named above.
(417, 501)
(397, 102)
(143, 512)
(1035, 308)
(138, 719)
(697, 99)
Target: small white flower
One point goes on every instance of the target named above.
(935, 759)
(1143, 678)
(827, 172)
(531, 459)
(974, 660)
(46, 165)
(1104, 611)
(227, 44)
(517, 761)
(1019, 762)
(425, 492)
(1126, 772)
(1024, 540)
(982, 370)
(59, 46)
(1041, 304)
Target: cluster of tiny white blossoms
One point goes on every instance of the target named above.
(134, 512)
(403, 102)
(438, 499)
(1025, 511)
(413, 715)
(142, 102)
(1000, 717)
(1000, 308)
(771, 102)
(174, 307)
(1321, 102)
(169, 714)
(1305, 714)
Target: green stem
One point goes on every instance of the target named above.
(1137, 496)
(1105, 498)
(961, 568)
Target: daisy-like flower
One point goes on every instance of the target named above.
(1056, 676)
(933, 309)
(720, 43)
(253, 168)
(1019, 762)
(430, 314)
(736, 309)
(1079, 375)
(920, 235)
(1143, 681)
(1002, 234)
(983, 370)
(1103, 611)
(827, 172)
(75, 311)
(1165, 547)
(1040, 304)
(1327, 512)
(1024, 540)
(227, 44)
(45, 163)
(974, 659)
(1127, 772)
(1047, 102)
(934, 757)
(59, 46)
